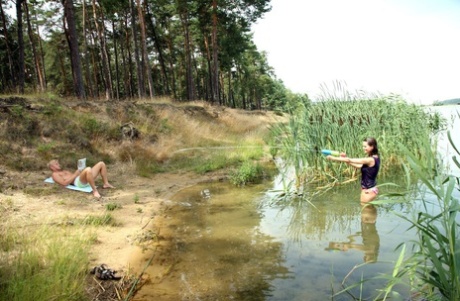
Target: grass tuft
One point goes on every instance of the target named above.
(112, 206)
(248, 172)
(105, 219)
(48, 264)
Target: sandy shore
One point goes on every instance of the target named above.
(140, 215)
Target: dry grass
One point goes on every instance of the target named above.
(164, 127)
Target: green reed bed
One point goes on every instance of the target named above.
(342, 124)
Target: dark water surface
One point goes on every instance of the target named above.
(234, 244)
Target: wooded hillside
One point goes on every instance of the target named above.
(114, 49)
(454, 101)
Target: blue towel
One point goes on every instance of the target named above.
(73, 187)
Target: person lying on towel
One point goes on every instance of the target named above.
(80, 178)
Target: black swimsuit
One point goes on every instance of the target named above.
(369, 174)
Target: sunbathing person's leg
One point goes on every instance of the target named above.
(86, 177)
(101, 169)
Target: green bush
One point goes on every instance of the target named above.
(248, 173)
(93, 127)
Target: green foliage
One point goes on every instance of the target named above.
(164, 126)
(248, 172)
(247, 79)
(136, 199)
(21, 125)
(17, 111)
(436, 122)
(93, 127)
(202, 161)
(53, 109)
(220, 161)
(45, 147)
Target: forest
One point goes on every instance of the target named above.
(117, 49)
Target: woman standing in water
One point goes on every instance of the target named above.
(369, 166)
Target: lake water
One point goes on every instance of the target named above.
(234, 244)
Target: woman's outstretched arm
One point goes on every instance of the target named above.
(355, 162)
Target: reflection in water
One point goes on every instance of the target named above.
(369, 236)
(312, 214)
(371, 239)
(334, 211)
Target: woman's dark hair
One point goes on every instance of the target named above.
(372, 142)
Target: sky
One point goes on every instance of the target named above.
(407, 47)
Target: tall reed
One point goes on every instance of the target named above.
(436, 259)
(341, 123)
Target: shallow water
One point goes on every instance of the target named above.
(235, 244)
(231, 247)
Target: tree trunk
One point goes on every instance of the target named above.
(8, 49)
(215, 52)
(209, 74)
(105, 57)
(159, 48)
(72, 40)
(230, 92)
(117, 71)
(38, 69)
(223, 98)
(171, 67)
(42, 53)
(94, 61)
(21, 65)
(86, 57)
(63, 70)
(145, 57)
(128, 71)
(140, 74)
(188, 57)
